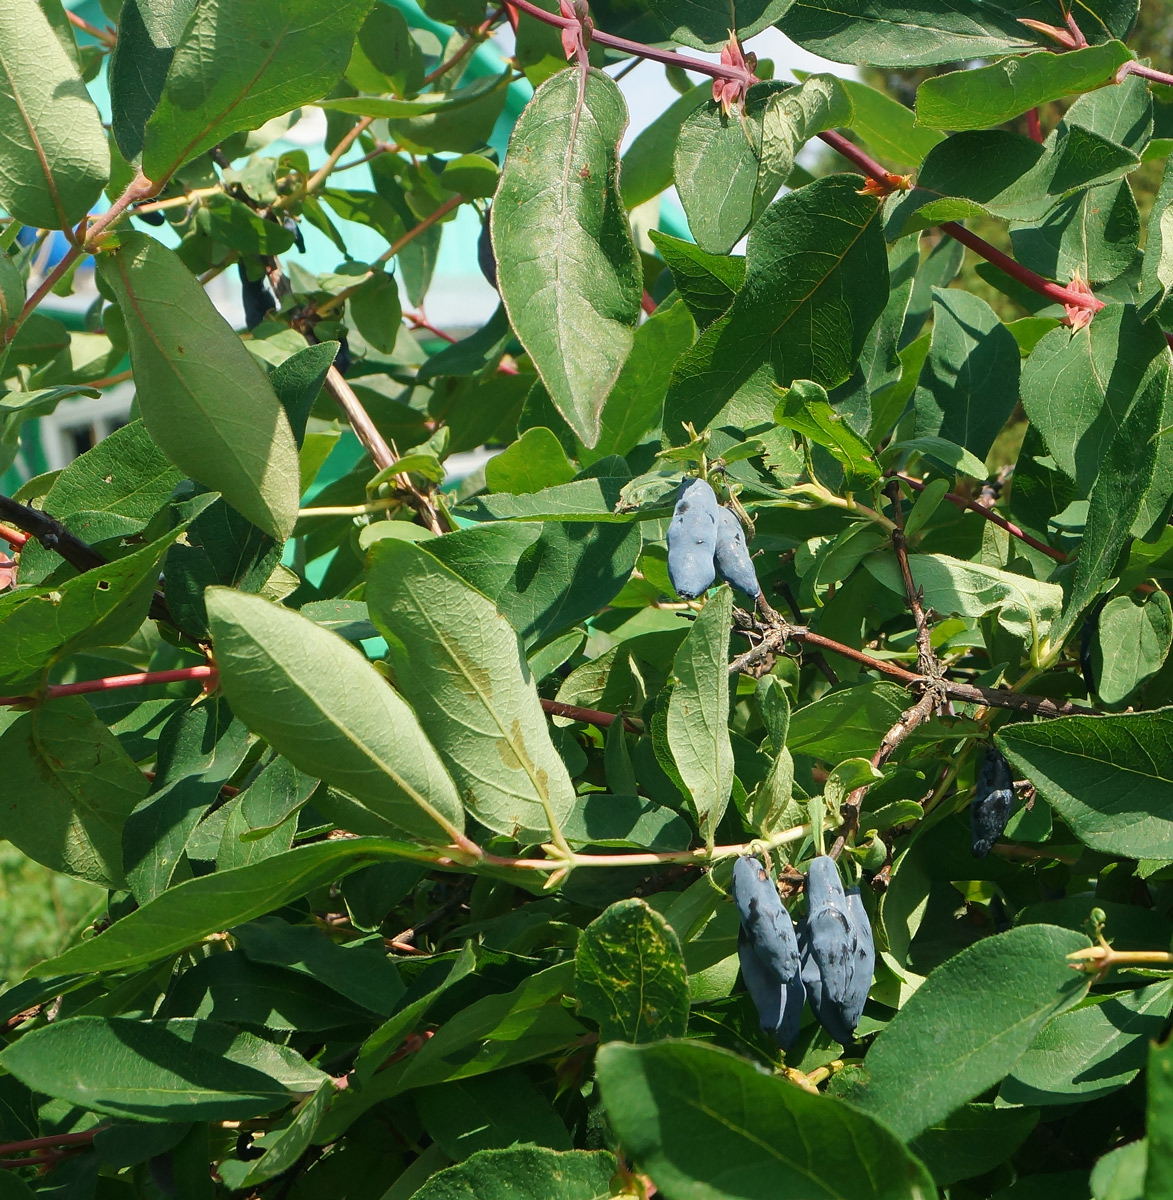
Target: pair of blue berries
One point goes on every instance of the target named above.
(704, 541)
(830, 960)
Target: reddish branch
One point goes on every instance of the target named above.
(206, 674)
(995, 517)
(1069, 297)
(13, 536)
(669, 58)
(590, 716)
(53, 1140)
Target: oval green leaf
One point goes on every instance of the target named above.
(318, 702)
(459, 663)
(54, 159)
(708, 1125)
(206, 401)
(575, 304)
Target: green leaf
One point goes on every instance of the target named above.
(698, 712)
(1077, 389)
(108, 493)
(148, 32)
(969, 384)
(467, 1115)
(344, 724)
(102, 607)
(70, 786)
(1026, 607)
(269, 59)
(887, 127)
(949, 456)
(1158, 1184)
(721, 174)
(543, 577)
(221, 548)
(1120, 1174)
(54, 159)
(844, 724)
(816, 280)
(991, 95)
(995, 172)
(1126, 475)
(1157, 271)
(705, 1123)
(230, 988)
(1110, 778)
(1092, 1051)
(805, 407)
(647, 168)
(968, 1024)
(206, 401)
(592, 498)
(360, 971)
(574, 306)
(629, 975)
(921, 33)
(498, 1031)
(1095, 233)
(635, 404)
(376, 310)
(706, 282)
(524, 1173)
(705, 24)
(535, 461)
(284, 1145)
(973, 1140)
(12, 292)
(188, 912)
(1132, 642)
(459, 664)
(181, 1070)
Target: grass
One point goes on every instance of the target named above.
(41, 911)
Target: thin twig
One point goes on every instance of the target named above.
(376, 446)
(590, 716)
(1069, 297)
(53, 1140)
(13, 536)
(106, 36)
(926, 658)
(54, 536)
(991, 515)
(669, 58)
(86, 687)
(474, 38)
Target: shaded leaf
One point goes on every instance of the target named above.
(344, 725)
(629, 975)
(574, 306)
(459, 664)
(205, 400)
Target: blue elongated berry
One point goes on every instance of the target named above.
(732, 558)
(829, 929)
(864, 970)
(765, 920)
(827, 1014)
(779, 1005)
(692, 539)
(992, 802)
(840, 1019)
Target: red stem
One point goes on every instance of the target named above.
(1132, 67)
(991, 515)
(13, 536)
(1034, 126)
(668, 57)
(1036, 283)
(591, 716)
(56, 1139)
(112, 682)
